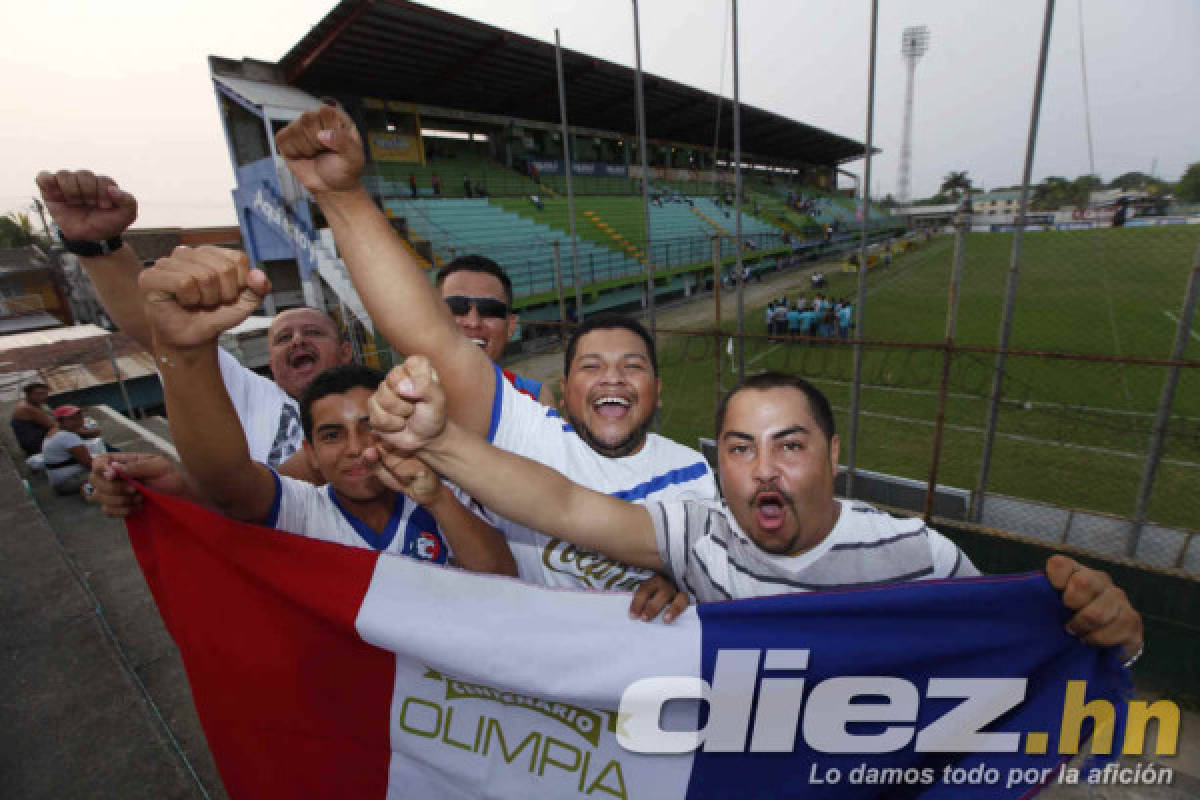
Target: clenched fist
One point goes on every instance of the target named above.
(86, 206)
(323, 150)
(195, 294)
(408, 410)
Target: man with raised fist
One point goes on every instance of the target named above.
(184, 318)
(92, 213)
(610, 389)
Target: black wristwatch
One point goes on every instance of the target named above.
(89, 249)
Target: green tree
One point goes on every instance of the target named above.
(955, 183)
(15, 230)
(1188, 188)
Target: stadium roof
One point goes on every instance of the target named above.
(403, 51)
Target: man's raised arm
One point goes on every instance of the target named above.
(408, 413)
(324, 151)
(92, 208)
(186, 314)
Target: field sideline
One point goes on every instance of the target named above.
(1071, 432)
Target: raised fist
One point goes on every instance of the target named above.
(86, 206)
(408, 410)
(323, 150)
(193, 295)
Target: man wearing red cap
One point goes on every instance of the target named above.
(68, 461)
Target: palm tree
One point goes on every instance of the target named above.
(956, 183)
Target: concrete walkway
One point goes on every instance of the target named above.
(93, 695)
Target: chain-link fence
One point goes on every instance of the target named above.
(1089, 447)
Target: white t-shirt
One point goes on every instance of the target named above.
(56, 449)
(314, 511)
(661, 470)
(269, 416)
(709, 556)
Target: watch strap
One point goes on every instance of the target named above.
(91, 249)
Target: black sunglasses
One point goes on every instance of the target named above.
(489, 307)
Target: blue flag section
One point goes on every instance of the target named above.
(899, 685)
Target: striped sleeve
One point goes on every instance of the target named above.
(948, 560)
(672, 534)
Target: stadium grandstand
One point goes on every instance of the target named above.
(464, 154)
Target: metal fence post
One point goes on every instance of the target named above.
(566, 143)
(861, 299)
(562, 304)
(961, 225)
(1165, 402)
(1014, 272)
(641, 123)
(716, 263)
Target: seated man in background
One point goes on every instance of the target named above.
(32, 419)
(68, 460)
(355, 508)
(779, 530)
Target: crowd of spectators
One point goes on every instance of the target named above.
(819, 316)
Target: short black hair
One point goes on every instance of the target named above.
(335, 380)
(477, 263)
(603, 322)
(30, 388)
(821, 410)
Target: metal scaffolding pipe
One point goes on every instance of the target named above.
(860, 300)
(1014, 273)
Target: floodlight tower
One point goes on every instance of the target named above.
(913, 44)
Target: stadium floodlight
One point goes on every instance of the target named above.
(913, 44)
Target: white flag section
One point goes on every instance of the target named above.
(516, 688)
(327, 671)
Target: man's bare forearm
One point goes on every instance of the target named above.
(208, 435)
(405, 306)
(477, 546)
(542, 499)
(115, 277)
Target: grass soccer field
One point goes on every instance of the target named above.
(1071, 432)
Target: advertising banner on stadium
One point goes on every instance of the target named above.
(326, 671)
(272, 229)
(599, 168)
(394, 147)
(547, 166)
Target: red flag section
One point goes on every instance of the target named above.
(305, 714)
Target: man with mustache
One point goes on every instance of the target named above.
(610, 388)
(779, 530)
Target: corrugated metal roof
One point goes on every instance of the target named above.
(271, 95)
(20, 324)
(72, 377)
(401, 50)
(66, 333)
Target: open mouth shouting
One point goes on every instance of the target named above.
(302, 360)
(770, 509)
(612, 406)
(480, 342)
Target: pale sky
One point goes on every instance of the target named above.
(123, 87)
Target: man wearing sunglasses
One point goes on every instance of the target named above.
(479, 294)
(610, 389)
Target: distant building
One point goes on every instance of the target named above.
(32, 291)
(1004, 201)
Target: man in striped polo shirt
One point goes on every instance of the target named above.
(779, 530)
